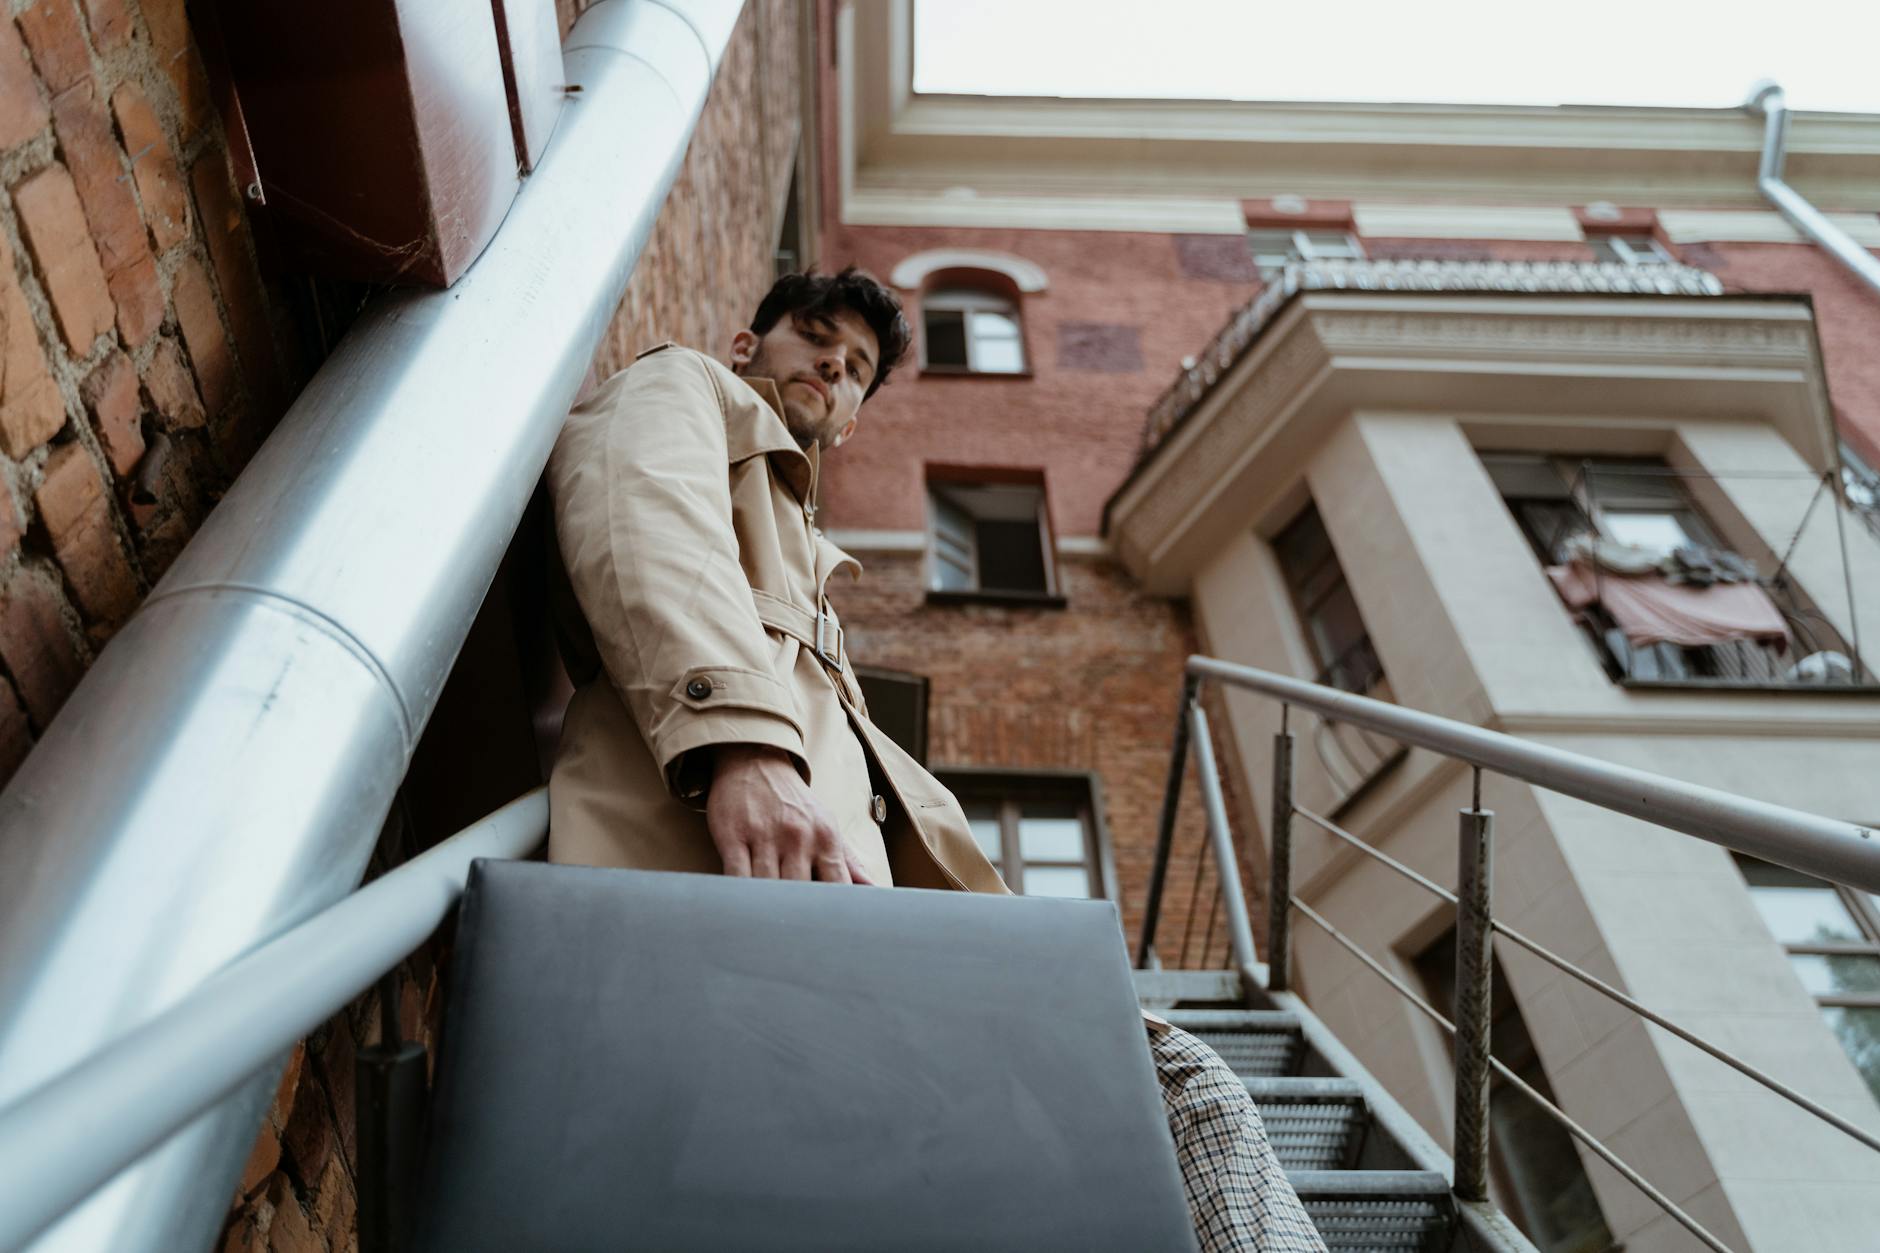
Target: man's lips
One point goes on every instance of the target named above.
(814, 384)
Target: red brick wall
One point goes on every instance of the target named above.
(142, 354)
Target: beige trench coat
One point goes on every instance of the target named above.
(683, 514)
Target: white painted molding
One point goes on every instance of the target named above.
(1757, 226)
(913, 271)
(1201, 215)
(1458, 221)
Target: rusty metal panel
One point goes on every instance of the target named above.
(381, 131)
(530, 39)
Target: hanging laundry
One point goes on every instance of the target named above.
(1650, 609)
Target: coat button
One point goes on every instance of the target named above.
(879, 808)
(699, 689)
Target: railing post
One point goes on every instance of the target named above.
(1221, 839)
(1279, 877)
(1165, 832)
(1474, 995)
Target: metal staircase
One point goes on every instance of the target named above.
(1363, 1188)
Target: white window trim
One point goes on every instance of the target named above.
(1302, 248)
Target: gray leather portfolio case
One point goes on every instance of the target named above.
(653, 1061)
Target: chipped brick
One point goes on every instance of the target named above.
(22, 108)
(76, 511)
(196, 314)
(111, 394)
(16, 735)
(110, 23)
(53, 32)
(172, 389)
(159, 182)
(35, 646)
(138, 295)
(31, 409)
(290, 1232)
(10, 529)
(54, 225)
(90, 148)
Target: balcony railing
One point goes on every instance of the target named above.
(1824, 848)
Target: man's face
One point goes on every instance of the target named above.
(822, 367)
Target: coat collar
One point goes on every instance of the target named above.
(767, 434)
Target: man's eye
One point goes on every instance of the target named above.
(855, 374)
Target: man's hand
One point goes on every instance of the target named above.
(767, 824)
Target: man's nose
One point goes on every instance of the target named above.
(829, 366)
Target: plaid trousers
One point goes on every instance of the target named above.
(1237, 1192)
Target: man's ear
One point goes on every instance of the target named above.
(846, 432)
(743, 349)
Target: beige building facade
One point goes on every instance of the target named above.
(1376, 409)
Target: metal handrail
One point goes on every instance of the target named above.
(66, 1138)
(1824, 847)
(1844, 852)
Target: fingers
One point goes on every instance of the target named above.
(764, 862)
(794, 864)
(832, 867)
(737, 860)
(857, 872)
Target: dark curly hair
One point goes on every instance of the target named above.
(813, 295)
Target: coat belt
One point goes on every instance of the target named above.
(816, 630)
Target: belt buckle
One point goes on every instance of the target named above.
(826, 625)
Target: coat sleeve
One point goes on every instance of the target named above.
(640, 484)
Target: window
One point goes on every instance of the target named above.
(897, 703)
(1340, 644)
(1274, 249)
(970, 331)
(1629, 250)
(1568, 507)
(989, 540)
(1832, 935)
(1043, 832)
(1535, 1173)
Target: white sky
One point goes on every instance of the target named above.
(1707, 53)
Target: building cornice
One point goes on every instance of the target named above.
(1025, 161)
(1643, 361)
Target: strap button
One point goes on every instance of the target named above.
(699, 689)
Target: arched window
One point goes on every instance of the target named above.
(970, 330)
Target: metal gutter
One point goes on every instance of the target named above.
(1766, 98)
(222, 772)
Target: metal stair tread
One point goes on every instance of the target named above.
(1235, 1020)
(1299, 1089)
(1166, 987)
(1407, 1184)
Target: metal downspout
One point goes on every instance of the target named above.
(222, 771)
(1766, 98)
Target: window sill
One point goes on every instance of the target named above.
(966, 372)
(1016, 600)
(1757, 689)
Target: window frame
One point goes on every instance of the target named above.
(1698, 667)
(1302, 612)
(1299, 246)
(1623, 245)
(1011, 786)
(966, 299)
(923, 702)
(1049, 596)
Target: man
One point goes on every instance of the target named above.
(717, 725)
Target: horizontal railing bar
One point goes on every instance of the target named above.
(1553, 1111)
(1691, 1038)
(1607, 990)
(68, 1137)
(1840, 851)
